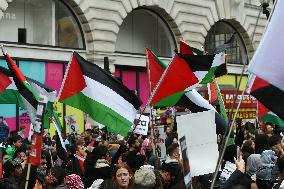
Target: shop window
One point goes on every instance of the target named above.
(222, 33)
(135, 34)
(38, 22)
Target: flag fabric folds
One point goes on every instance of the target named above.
(212, 92)
(91, 89)
(184, 48)
(220, 101)
(267, 62)
(179, 76)
(265, 115)
(193, 101)
(269, 95)
(5, 81)
(28, 96)
(155, 68)
(9, 94)
(28, 90)
(206, 67)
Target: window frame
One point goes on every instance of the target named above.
(54, 31)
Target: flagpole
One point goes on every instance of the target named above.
(64, 78)
(226, 142)
(154, 92)
(228, 132)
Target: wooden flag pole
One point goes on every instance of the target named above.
(28, 176)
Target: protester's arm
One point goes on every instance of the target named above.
(238, 176)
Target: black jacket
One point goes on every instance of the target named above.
(237, 178)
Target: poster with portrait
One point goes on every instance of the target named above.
(71, 123)
(160, 137)
(185, 160)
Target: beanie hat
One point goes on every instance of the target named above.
(145, 176)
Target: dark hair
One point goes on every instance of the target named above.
(172, 148)
(247, 147)
(274, 140)
(167, 167)
(59, 173)
(261, 143)
(18, 151)
(100, 151)
(108, 184)
(9, 166)
(14, 138)
(132, 140)
(280, 164)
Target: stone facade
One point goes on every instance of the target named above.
(188, 19)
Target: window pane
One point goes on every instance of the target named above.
(135, 34)
(40, 22)
(67, 30)
(221, 33)
(12, 20)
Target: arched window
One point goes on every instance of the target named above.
(223, 33)
(39, 22)
(143, 28)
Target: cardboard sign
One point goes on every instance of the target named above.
(142, 127)
(199, 130)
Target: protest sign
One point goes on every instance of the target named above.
(71, 124)
(199, 130)
(142, 127)
(185, 161)
(160, 137)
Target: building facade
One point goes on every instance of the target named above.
(41, 34)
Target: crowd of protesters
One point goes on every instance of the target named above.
(90, 160)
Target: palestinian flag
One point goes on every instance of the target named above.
(267, 62)
(91, 89)
(269, 95)
(184, 48)
(8, 90)
(212, 93)
(28, 89)
(265, 115)
(206, 67)
(193, 101)
(155, 68)
(5, 81)
(178, 77)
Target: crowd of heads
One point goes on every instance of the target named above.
(90, 160)
(93, 160)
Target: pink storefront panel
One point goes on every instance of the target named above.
(144, 87)
(53, 75)
(129, 79)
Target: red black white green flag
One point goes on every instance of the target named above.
(91, 89)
